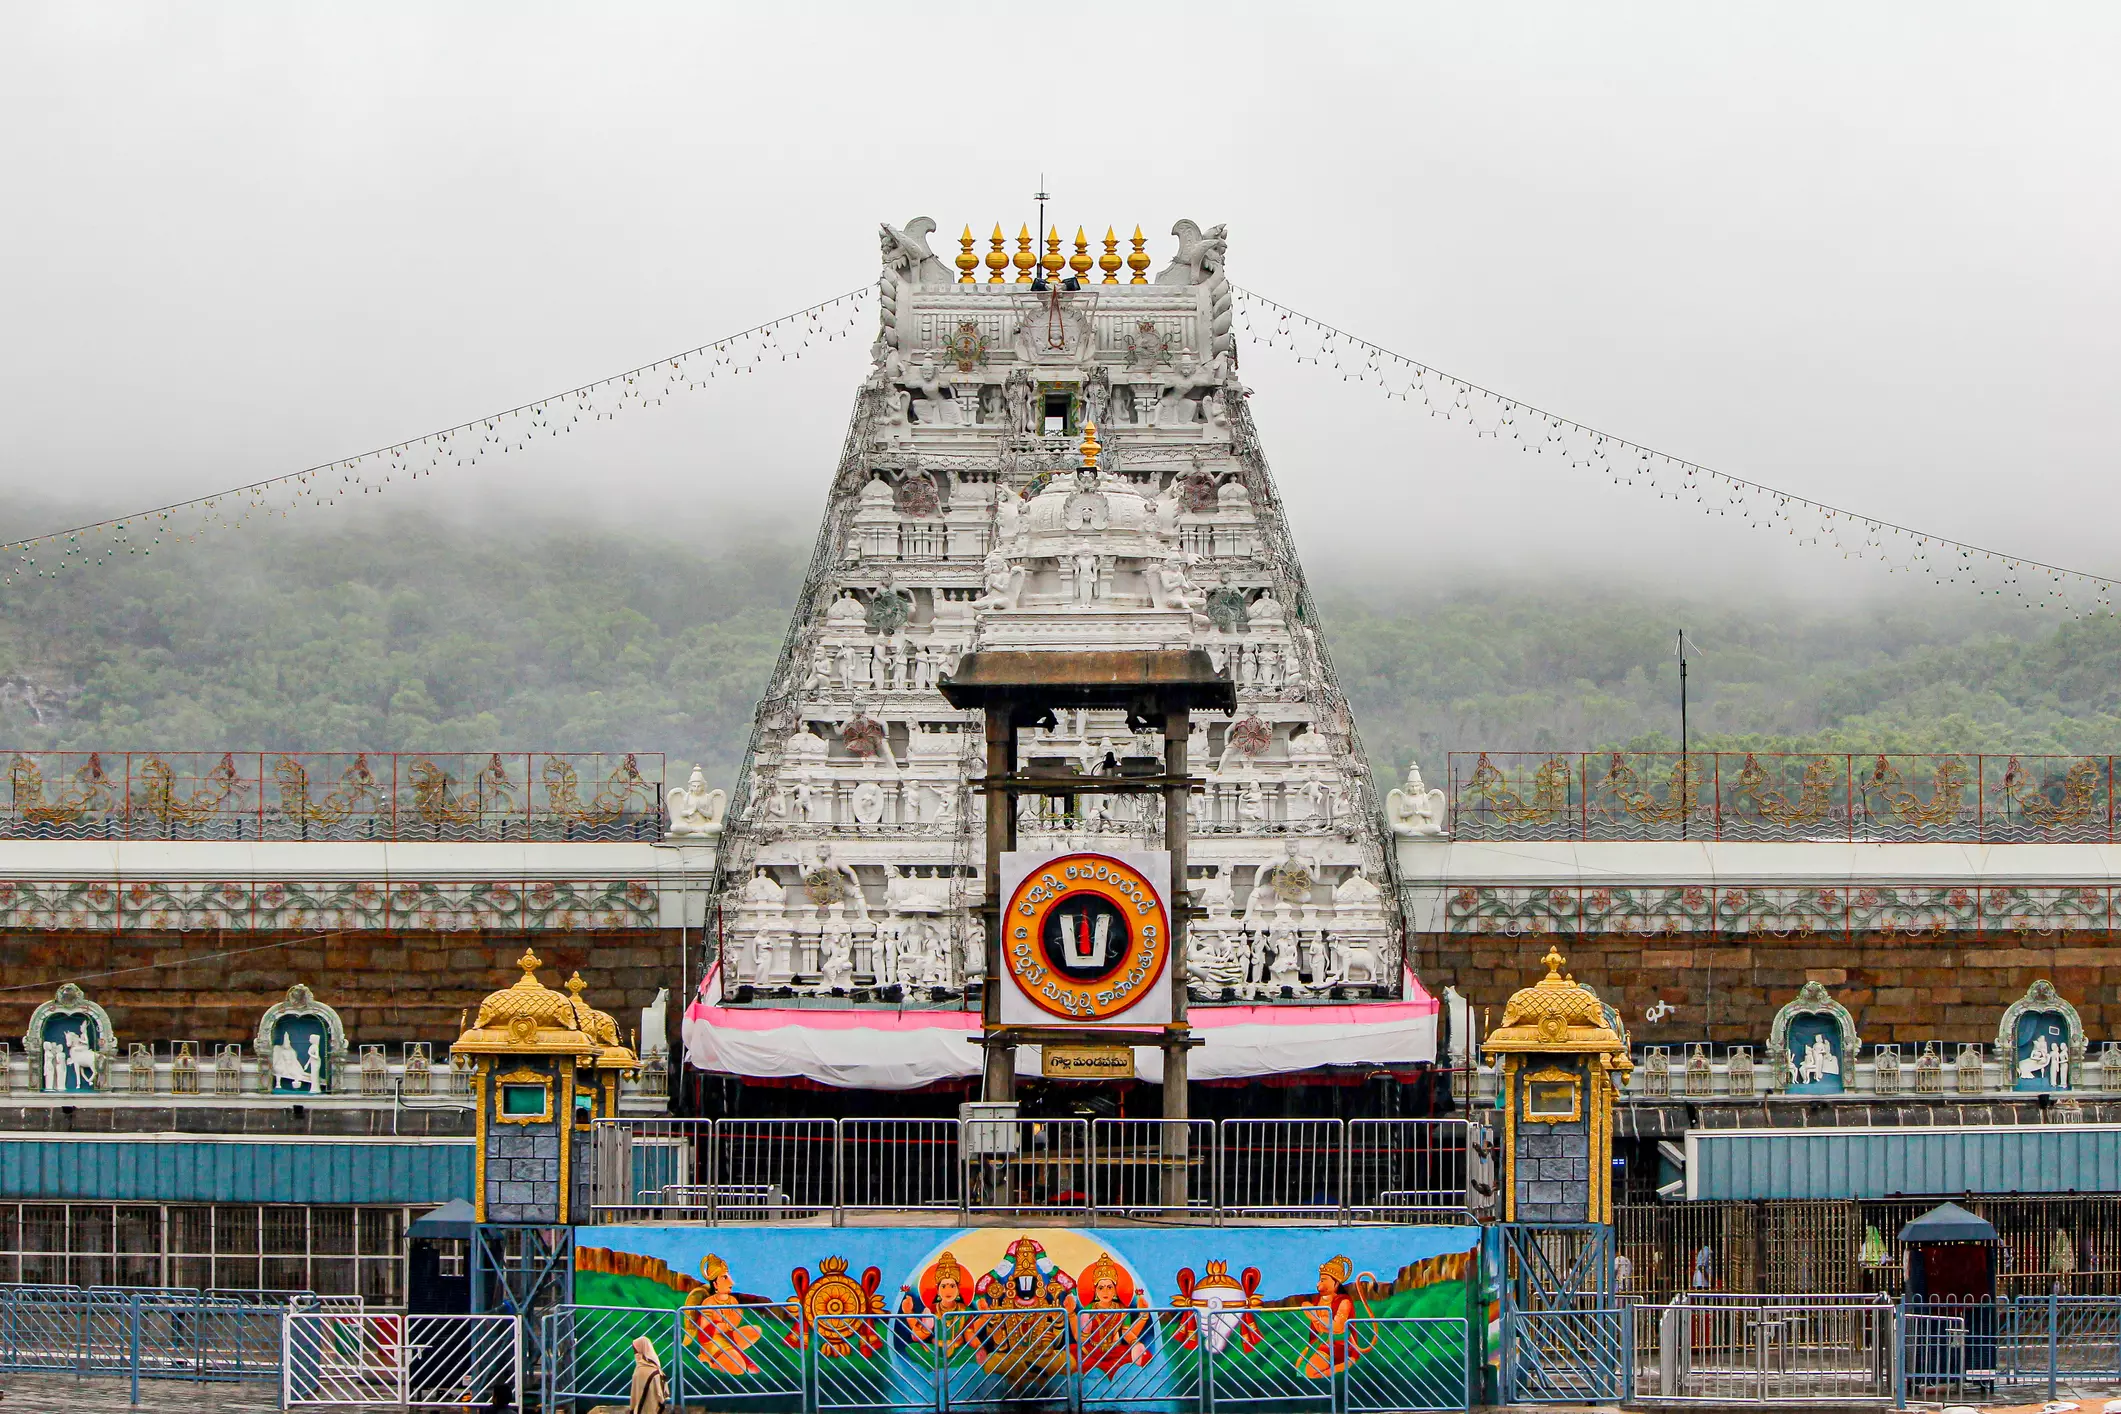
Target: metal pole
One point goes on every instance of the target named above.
(2054, 1311)
(1000, 1061)
(1685, 777)
(1177, 1138)
(133, 1311)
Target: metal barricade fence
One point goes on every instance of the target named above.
(1135, 1162)
(1400, 1170)
(761, 1170)
(185, 1335)
(900, 1163)
(771, 1170)
(1192, 1360)
(1282, 1166)
(1407, 1363)
(732, 1357)
(1564, 1356)
(1786, 1351)
(1027, 1166)
(2056, 1337)
(415, 1362)
(1932, 1357)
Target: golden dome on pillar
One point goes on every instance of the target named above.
(1556, 1013)
(530, 1018)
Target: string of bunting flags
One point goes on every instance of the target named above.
(466, 444)
(1901, 548)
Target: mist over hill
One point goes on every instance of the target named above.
(410, 633)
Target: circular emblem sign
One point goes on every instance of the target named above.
(1087, 937)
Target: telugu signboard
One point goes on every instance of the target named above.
(1086, 938)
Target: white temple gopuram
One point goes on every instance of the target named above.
(1053, 452)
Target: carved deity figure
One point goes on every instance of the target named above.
(1414, 809)
(1003, 582)
(1021, 394)
(936, 405)
(696, 811)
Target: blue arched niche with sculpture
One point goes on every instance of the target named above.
(2041, 1039)
(299, 1042)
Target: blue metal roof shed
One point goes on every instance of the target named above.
(1883, 1163)
(186, 1168)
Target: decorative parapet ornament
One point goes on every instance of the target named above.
(1812, 1044)
(69, 1043)
(300, 1044)
(2041, 1039)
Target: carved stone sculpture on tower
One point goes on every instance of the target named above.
(1200, 254)
(695, 811)
(1413, 809)
(906, 253)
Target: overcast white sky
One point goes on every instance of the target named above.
(1865, 252)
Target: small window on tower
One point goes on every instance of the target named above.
(1057, 408)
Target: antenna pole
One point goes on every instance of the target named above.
(1686, 778)
(1040, 198)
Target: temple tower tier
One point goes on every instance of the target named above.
(1056, 463)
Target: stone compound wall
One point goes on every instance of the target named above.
(388, 987)
(1901, 987)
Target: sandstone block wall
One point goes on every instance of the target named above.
(388, 987)
(1901, 987)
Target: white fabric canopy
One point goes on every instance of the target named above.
(867, 1049)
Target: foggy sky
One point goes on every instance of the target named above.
(1863, 252)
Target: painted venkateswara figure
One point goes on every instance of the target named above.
(1563, 1060)
(547, 1064)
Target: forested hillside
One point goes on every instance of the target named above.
(409, 634)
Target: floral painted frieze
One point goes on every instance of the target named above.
(1657, 910)
(277, 905)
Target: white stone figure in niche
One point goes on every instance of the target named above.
(1003, 582)
(1215, 893)
(975, 947)
(1818, 1061)
(1414, 809)
(936, 407)
(847, 609)
(1293, 874)
(1176, 404)
(945, 808)
(1286, 971)
(695, 811)
(1169, 505)
(908, 258)
(1021, 395)
(868, 803)
(2046, 1062)
(1314, 955)
(761, 890)
(1251, 804)
(1087, 570)
(903, 893)
(289, 1069)
(835, 951)
(655, 1026)
(1200, 254)
(1265, 611)
(1256, 963)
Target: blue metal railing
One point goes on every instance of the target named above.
(1191, 1360)
(137, 1334)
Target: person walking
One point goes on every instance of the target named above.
(650, 1394)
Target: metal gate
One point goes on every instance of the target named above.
(417, 1362)
(1563, 1335)
(1723, 1348)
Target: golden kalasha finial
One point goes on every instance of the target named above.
(529, 963)
(1553, 960)
(966, 260)
(1110, 262)
(1139, 261)
(1090, 447)
(998, 258)
(576, 985)
(1024, 258)
(1054, 259)
(1082, 261)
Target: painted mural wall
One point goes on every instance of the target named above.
(1277, 1309)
